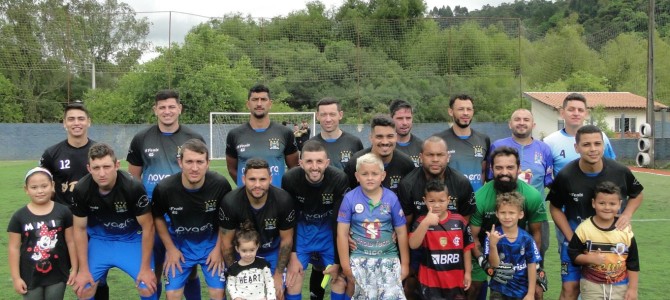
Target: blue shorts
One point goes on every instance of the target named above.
(569, 271)
(195, 252)
(271, 258)
(314, 240)
(125, 255)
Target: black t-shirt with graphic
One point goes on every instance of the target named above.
(399, 166)
(67, 164)
(340, 150)
(411, 148)
(412, 190)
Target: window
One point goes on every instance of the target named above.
(628, 124)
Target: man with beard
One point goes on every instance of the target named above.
(317, 190)
(383, 139)
(468, 148)
(434, 158)
(339, 144)
(260, 138)
(191, 199)
(537, 164)
(408, 143)
(271, 211)
(505, 166)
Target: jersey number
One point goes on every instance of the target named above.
(562, 153)
(65, 164)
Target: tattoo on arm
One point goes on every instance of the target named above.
(284, 254)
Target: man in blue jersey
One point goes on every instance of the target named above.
(339, 144)
(271, 211)
(191, 200)
(152, 156)
(113, 226)
(573, 189)
(536, 167)
(468, 148)
(317, 189)
(403, 116)
(261, 138)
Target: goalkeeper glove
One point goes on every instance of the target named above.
(502, 273)
(542, 279)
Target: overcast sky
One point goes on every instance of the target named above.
(192, 12)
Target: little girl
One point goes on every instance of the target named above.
(40, 235)
(250, 278)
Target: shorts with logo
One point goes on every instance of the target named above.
(106, 254)
(191, 260)
(312, 240)
(377, 278)
(569, 271)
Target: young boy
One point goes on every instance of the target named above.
(370, 214)
(446, 241)
(514, 246)
(608, 255)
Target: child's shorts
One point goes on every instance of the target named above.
(377, 278)
(592, 290)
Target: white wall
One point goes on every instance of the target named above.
(546, 119)
(639, 114)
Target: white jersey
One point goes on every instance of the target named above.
(562, 147)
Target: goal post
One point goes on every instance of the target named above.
(220, 123)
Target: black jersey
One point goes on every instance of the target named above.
(315, 203)
(156, 153)
(573, 189)
(467, 154)
(112, 216)
(67, 164)
(194, 214)
(412, 190)
(44, 257)
(411, 148)
(399, 166)
(340, 150)
(272, 144)
(277, 214)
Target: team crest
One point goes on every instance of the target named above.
(327, 199)
(394, 181)
(345, 156)
(522, 251)
(372, 229)
(274, 144)
(384, 209)
(210, 205)
(270, 224)
(120, 207)
(179, 151)
(479, 151)
(416, 160)
(443, 241)
(537, 158)
(300, 199)
(457, 241)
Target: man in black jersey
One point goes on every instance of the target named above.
(434, 159)
(152, 156)
(113, 226)
(260, 138)
(317, 189)
(383, 139)
(191, 199)
(271, 211)
(339, 144)
(573, 189)
(403, 116)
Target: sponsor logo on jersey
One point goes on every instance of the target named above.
(372, 229)
(175, 210)
(151, 151)
(222, 215)
(291, 216)
(120, 207)
(479, 151)
(445, 259)
(120, 225)
(274, 143)
(270, 224)
(143, 201)
(576, 196)
(345, 156)
(326, 199)
(242, 147)
(300, 199)
(201, 229)
(210, 205)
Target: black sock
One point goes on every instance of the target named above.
(102, 293)
(316, 292)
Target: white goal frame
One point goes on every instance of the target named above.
(219, 132)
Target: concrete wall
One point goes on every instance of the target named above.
(28, 141)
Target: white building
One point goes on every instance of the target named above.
(545, 108)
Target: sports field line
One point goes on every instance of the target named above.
(640, 220)
(651, 173)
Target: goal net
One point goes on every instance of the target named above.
(220, 123)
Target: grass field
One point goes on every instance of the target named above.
(648, 225)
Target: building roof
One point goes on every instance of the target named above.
(611, 100)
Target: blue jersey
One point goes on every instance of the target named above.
(537, 164)
(112, 216)
(562, 147)
(519, 253)
(156, 153)
(468, 154)
(372, 225)
(272, 144)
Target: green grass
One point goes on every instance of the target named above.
(651, 236)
